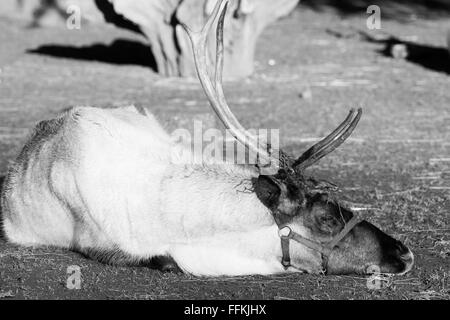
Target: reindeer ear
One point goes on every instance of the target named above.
(268, 190)
(282, 198)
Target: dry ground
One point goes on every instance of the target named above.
(397, 162)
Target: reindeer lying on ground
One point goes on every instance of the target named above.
(105, 183)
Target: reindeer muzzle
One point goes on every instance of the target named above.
(286, 235)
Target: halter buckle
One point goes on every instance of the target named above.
(284, 232)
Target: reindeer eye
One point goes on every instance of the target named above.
(327, 220)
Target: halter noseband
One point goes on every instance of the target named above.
(286, 234)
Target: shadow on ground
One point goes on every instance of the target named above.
(397, 10)
(106, 8)
(428, 56)
(120, 52)
(2, 233)
(110, 15)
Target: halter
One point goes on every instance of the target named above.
(286, 234)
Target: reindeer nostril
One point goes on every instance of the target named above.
(407, 257)
(401, 249)
(408, 260)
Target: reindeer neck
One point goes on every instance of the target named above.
(214, 198)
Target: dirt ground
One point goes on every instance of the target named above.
(311, 68)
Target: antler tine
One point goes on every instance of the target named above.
(324, 142)
(219, 57)
(219, 68)
(219, 52)
(329, 143)
(215, 93)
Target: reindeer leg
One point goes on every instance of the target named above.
(164, 264)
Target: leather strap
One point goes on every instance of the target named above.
(286, 234)
(347, 228)
(286, 259)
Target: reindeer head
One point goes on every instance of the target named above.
(339, 241)
(335, 239)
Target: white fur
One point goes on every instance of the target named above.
(107, 179)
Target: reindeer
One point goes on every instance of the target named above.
(107, 183)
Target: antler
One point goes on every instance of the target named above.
(214, 92)
(329, 143)
(216, 97)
